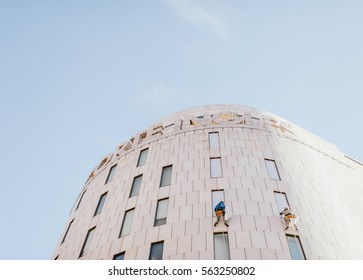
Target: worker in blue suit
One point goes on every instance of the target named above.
(220, 210)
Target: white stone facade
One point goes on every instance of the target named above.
(322, 186)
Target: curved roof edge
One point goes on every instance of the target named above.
(214, 108)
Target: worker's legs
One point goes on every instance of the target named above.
(218, 218)
(294, 221)
(225, 222)
(287, 222)
(220, 214)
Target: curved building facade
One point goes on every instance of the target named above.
(154, 197)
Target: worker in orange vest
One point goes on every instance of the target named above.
(289, 218)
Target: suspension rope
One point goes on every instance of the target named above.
(278, 187)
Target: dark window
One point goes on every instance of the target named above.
(111, 173)
(87, 242)
(281, 201)
(142, 157)
(215, 167)
(127, 222)
(272, 169)
(100, 204)
(213, 140)
(119, 256)
(135, 188)
(161, 212)
(79, 202)
(65, 235)
(295, 247)
(156, 251)
(166, 176)
(221, 246)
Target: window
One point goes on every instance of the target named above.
(119, 256)
(65, 235)
(213, 140)
(281, 201)
(79, 202)
(156, 251)
(221, 246)
(217, 196)
(161, 212)
(127, 222)
(215, 167)
(272, 169)
(142, 157)
(111, 173)
(166, 176)
(100, 204)
(87, 242)
(295, 247)
(135, 188)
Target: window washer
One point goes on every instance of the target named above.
(289, 218)
(220, 210)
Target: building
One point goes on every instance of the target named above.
(153, 198)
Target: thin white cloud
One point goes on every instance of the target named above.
(200, 16)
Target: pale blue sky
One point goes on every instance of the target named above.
(79, 77)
